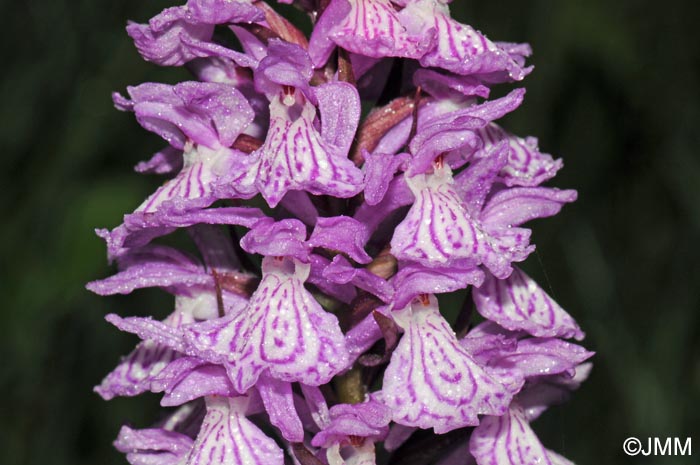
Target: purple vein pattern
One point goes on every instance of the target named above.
(333, 185)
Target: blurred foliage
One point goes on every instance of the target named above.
(615, 93)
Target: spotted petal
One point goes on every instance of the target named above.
(195, 183)
(284, 330)
(526, 165)
(135, 373)
(160, 352)
(227, 437)
(432, 381)
(507, 440)
(518, 303)
(367, 27)
(296, 157)
(460, 48)
(437, 229)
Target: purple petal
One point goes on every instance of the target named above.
(296, 157)
(507, 440)
(455, 139)
(153, 446)
(342, 292)
(397, 196)
(219, 340)
(541, 356)
(446, 85)
(136, 372)
(150, 266)
(369, 419)
(460, 48)
(250, 43)
(140, 228)
(149, 329)
(284, 238)
(160, 40)
(379, 171)
(537, 397)
(475, 181)
(414, 279)
(207, 113)
(340, 271)
(228, 437)
(180, 34)
(189, 378)
(279, 404)
(506, 246)
(286, 64)
(342, 234)
(371, 28)
(515, 206)
(363, 335)
(494, 109)
(526, 165)
(434, 115)
(518, 303)
(299, 205)
(227, 108)
(167, 161)
(437, 229)
(321, 44)
(432, 381)
(195, 182)
(339, 106)
(316, 402)
(284, 330)
(224, 11)
(201, 49)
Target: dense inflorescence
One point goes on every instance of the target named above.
(364, 165)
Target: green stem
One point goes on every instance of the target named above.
(349, 386)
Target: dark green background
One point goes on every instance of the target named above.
(615, 93)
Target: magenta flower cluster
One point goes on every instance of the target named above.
(365, 167)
